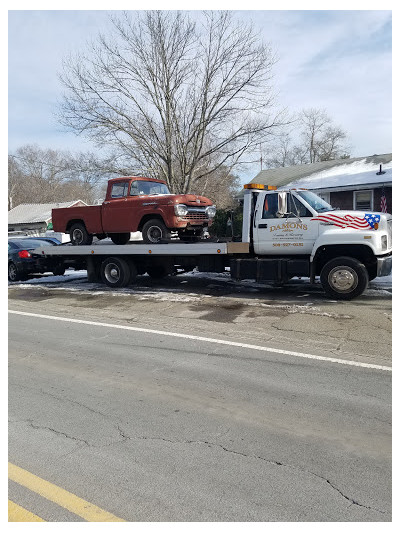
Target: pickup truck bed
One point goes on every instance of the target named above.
(63, 218)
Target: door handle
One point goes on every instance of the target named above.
(263, 225)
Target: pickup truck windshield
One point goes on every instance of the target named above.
(139, 188)
(315, 201)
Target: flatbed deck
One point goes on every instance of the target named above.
(133, 248)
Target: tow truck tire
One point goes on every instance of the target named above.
(115, 272)
(157, 271)
(120, 238)
(344, 278)
(59, 270)
(154, 231)
(79, 235)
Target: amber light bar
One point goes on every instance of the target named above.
(260, 186)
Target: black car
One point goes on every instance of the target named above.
(21, 262)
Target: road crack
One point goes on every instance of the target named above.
(269, 461)
(59, 433)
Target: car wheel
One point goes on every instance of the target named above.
(155, 231)
(344, 278)
(79, 235)
(12, 272)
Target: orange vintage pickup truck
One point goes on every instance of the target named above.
(137, 204)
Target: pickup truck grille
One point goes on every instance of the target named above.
(195, 216)
(389, 225)
(196, 213)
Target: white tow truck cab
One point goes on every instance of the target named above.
(286, 233)
(295, 232)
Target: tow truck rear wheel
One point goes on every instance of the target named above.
(116, 272)
(344, 278)
(79, 234)
(157, 271)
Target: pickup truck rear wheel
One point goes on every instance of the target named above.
(154, 231)
(120, 238)
(79, 235)
(116, 272)
(344, 278)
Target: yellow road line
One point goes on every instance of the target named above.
(16, 513)
(61, 497)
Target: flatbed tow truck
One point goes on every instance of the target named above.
(285, 234)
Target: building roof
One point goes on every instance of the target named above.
(354, 176)
(324, 170)
(34, 213)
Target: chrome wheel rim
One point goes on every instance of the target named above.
(12, 272)
(77, 235)
(343, 279)
(112, 273)
(154, 233)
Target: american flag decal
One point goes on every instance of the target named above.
(370, 220)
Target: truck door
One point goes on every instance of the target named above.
(115, 210)
(293, 233)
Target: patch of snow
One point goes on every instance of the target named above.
(77, 281)
(357, 173)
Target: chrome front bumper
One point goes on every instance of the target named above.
(384, 266)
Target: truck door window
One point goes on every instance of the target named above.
(296, 208)
(134, 191)
(270, 206)
(119, 189)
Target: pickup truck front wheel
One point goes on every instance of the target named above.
(79, 235)
(344, 278)
(155, 231)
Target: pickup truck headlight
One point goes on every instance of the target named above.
(210, 211)
(181, 210)
(384, 242)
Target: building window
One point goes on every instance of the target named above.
(325, 196)
(363, 200)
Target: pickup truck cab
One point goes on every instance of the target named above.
(137, 204)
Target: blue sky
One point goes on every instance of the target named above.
(338, 60)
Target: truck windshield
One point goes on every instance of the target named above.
(148, 188)
(315, 201)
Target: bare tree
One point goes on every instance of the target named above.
(172, 97)
(323, 140)
(318, 140)
(37, 175)
(220, 186)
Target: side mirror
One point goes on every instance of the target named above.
(282, 204)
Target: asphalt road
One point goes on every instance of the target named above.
(151, 427)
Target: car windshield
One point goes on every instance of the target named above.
(25, 244)
(315, 201)
(148, 188)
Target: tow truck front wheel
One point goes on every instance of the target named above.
(344, 278)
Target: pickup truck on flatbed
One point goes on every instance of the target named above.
(285, 234)
(137, 204)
